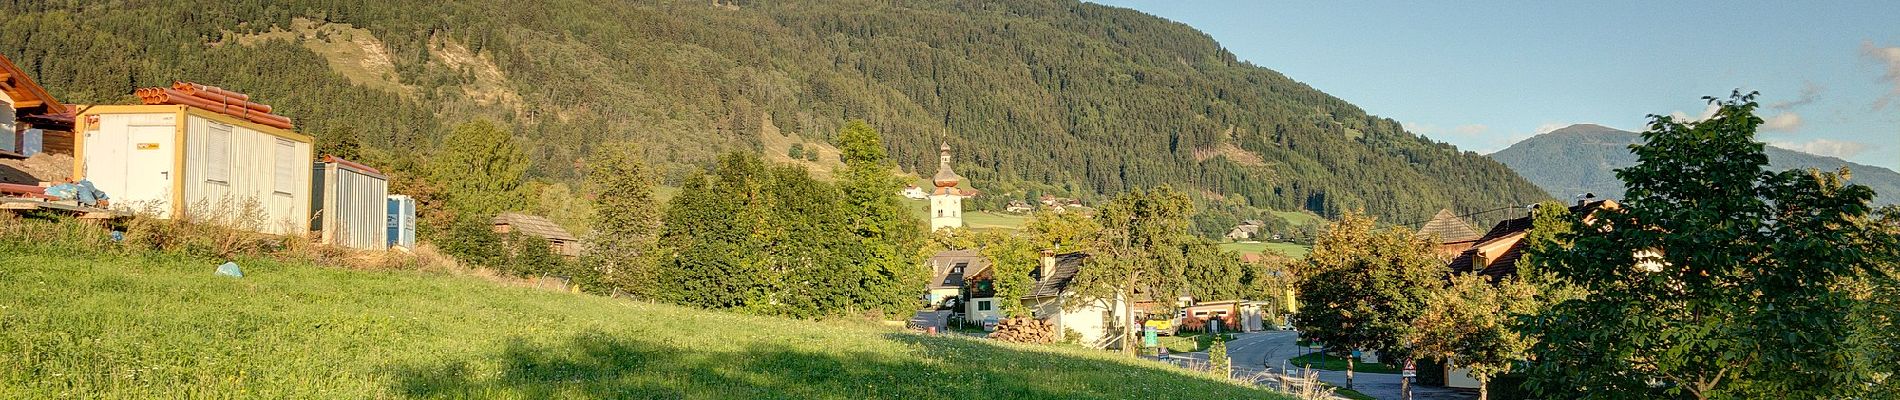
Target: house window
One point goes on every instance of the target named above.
(218, 154)
(982, 305)
(1479, 261)
(958, 269)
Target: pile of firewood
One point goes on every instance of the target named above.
(1025, 330)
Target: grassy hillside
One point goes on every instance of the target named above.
(1288, 249)
(91, 323)
(1053, 96)
(1583, 158)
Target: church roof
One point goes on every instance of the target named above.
(1449, 228)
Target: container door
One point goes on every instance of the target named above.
(148, 169)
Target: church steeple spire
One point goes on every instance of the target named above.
(946, 203)
(945, 177)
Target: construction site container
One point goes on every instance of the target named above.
(170, 160)
(402, 221)
(349, 204)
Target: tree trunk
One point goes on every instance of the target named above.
(1484, 389)
(1349, 363)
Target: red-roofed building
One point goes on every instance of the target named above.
(37, 121)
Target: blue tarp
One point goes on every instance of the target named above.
(81, 190)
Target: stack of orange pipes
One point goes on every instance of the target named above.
(214, 99)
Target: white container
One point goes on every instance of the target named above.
(164, 159)
(401, 224)
(349, 204)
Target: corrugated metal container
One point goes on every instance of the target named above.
(350, 204)
(166, 158)
(402, 221)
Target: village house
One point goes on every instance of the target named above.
(1493, 255)
(559, 241)
(947, 275)
(1452, 233)
(1053, 299)
(914, 193)
(36, 121)
(1248, 230)
(1018, 206)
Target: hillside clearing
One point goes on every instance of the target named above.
(151, 326)
(1287, 249)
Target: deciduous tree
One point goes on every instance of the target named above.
(889, 238)
(1715, 279)
(626, 220)
(1361, 287)
(1139, 247)
(1471, 322)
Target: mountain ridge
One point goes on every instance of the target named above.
(1038, 96)
(1581, 158)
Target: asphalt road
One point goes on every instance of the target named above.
(1270, 350)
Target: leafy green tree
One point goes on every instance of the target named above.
(480, 169)
(802, 246)
(1011, 259)
(712, 237)
(797, 152)
(1270, 279)
(529, 256)
(889, 238)
(626, 221)
(1213, 274)
(1715, 279)
(1550, 228)
(473, 241)
(1361, 287)
(1139, 247)
(1218, 361)
(1471, 322)
(1061, 231)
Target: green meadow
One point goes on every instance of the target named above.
(90, 320)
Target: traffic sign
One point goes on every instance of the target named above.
(1411, 370)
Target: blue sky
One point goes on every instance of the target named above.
(1483, 75)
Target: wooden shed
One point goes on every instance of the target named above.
(559, 241)
(166, 159)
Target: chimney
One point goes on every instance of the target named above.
(1048, 263)
(1585, 198)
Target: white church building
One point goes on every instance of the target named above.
(946, 202)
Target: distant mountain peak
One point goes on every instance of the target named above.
(1585, 129)
(1583, 158)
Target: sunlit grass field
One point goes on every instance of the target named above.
(1288, 249)
(78, 323)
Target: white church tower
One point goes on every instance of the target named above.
(946, 202)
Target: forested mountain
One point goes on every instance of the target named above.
(1036, 96)
(1583, 158)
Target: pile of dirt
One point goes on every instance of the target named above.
(43, 167)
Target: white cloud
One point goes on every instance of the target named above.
(1707, 113)
(1809, 92)
(1783, 122)
(1434, 130)
(1471, 129)
(1825, 147)
(1889, 57)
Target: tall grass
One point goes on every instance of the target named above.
(82, 316)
